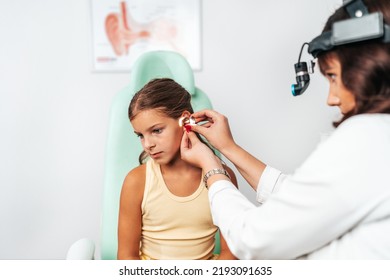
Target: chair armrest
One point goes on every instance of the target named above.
(83, 249)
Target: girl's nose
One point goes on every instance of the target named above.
(148, 143)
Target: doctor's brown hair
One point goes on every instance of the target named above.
(365, 66)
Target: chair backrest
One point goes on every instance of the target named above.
(123, 147)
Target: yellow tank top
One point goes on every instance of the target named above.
(175, 227)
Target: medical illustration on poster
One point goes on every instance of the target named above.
(122, 30)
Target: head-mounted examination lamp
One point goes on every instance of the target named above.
(362, 26)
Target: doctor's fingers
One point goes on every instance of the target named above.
(202, 129)
(206, 115)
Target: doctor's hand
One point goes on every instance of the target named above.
(197, 153)
(215, 128)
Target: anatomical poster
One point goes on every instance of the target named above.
(122, 30)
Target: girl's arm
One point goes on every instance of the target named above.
(130, 214)
(226, 254)
(225, 251)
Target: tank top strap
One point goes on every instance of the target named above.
(149, 175)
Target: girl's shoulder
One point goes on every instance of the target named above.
(137, 172)
(134, 182)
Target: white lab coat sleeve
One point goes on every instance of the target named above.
(270, 181)
(292, 222)
(324, 199)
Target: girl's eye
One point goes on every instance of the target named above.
(140, 136)
(157, 130)
(331, 76)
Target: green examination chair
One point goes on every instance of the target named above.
(123, 146)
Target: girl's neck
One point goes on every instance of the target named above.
(177, 165)
(180, 177)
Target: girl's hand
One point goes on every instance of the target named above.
(197, 153)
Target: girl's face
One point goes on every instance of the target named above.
(160, 135)
(338, 94)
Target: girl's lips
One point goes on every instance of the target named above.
(155, 154)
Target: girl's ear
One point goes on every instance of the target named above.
(185, 116)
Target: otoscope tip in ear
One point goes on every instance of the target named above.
(183, 121)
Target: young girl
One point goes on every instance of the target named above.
(164, 208)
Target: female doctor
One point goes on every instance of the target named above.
(337, 204)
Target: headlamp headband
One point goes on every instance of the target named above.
(362, 26)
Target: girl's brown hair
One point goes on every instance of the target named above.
(365, 66)
(164, 95)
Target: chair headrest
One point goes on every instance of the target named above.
(162, 64)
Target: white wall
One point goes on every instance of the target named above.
(54, 110)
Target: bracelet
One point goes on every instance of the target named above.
(214, 172)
